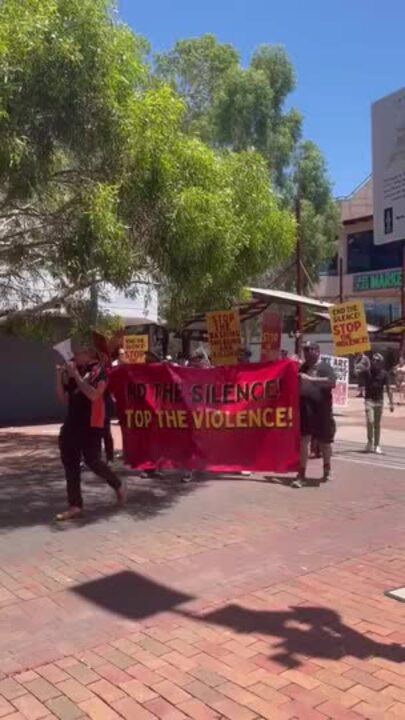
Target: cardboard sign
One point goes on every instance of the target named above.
(349, 328)
(388, 134)
(340, 366)
(271, 336)
(135, 348)
(223, 327)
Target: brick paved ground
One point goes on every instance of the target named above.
(227, 598)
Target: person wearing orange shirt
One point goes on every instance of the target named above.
(82, 384)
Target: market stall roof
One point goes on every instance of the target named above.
(247, 310)
(259, 301)
(317, 316)
(397, 327)
(280, 296)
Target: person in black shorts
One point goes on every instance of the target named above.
(81, 384)
(317, 381)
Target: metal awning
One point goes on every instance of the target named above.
(397, 327)
(287, 298)
(247, 311)
(317, 316)
(260, 300)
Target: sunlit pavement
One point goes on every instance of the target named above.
(225, 598)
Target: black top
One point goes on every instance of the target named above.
(314, 398)
(375, 380)
(81, 412)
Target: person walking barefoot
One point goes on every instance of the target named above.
(81, 384)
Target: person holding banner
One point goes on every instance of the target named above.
(198, 359)
(81, 384)
(107, 434)
(120, 359)
(317, 380)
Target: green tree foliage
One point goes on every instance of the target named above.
(242, 108)
(319, 221)
(100, 177)
(196, 68)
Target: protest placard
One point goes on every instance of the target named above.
(271, 336)
(223, 327)
(340, 366)
(135, 348)
(349, 328)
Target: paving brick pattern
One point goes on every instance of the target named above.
(225, 599)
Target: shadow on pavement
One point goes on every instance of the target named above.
(303, 631)
(131, 595)
(296, 633)
(32, 487)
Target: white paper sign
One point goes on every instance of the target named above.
(64, 349)
(388, 130)
(340, 366)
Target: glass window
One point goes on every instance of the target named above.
(382, 310)
(364, 256)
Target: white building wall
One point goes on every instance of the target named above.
(143, 306)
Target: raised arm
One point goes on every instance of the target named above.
(60, 387)
(91, 392)
(326, 382)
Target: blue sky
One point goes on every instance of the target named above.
(346, 53)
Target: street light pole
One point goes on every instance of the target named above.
(340, 261)
(403, 299)
(298, 282)
(403, 283)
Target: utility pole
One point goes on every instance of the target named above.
(93, 304)
(340, 261)
(403, 298)
(298, 282)
(403, 283)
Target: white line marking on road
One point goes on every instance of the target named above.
(369, 462)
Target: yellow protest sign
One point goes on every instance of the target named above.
(223, 327)
(349, 328)
(135, 348)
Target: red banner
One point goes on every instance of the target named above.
(241, 417)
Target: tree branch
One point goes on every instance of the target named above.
(48, 304)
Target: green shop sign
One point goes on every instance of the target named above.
(378, 281)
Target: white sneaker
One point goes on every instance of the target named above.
(368, 448)
(246, 473)
(378, 450)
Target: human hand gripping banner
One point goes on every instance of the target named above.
(225, 419)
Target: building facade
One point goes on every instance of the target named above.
(362, 269)
(29, 395)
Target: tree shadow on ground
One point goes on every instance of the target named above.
(302, 632)
(131, 595)
(32, 487)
